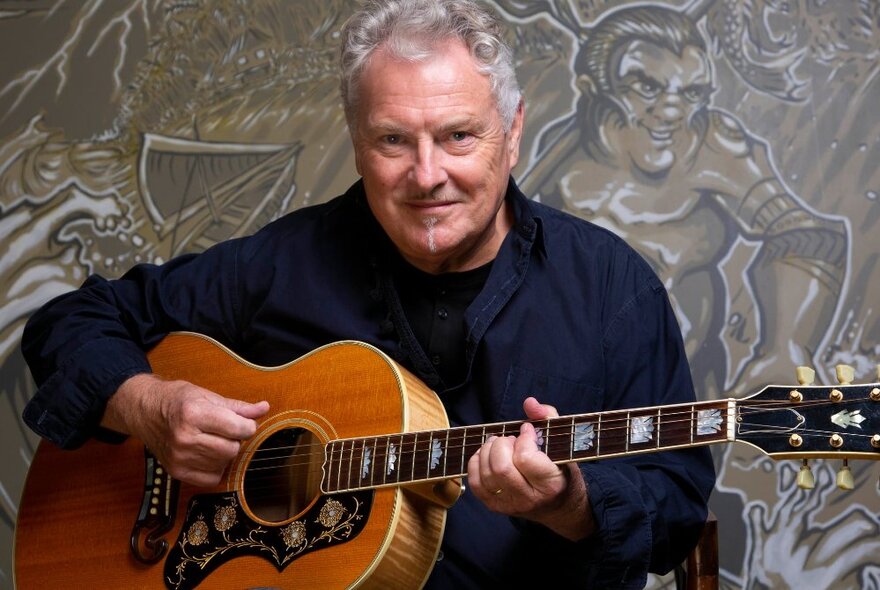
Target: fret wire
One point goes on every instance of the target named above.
(385, 460)
(339, 472)
(412, 477)
(399, 458)
(430, 455)
(350, 461)
(693, 426)
(445, 452)
(658, 428)
(628, 433)
(464, 435)
(571, 439)
(373, 463)
(546, 435)
(360, 462)
(384, 463)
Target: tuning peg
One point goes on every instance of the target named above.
(845, 374)
(805, 479)
(845, 477)
(805, 375)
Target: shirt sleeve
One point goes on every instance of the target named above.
(84, 344)
(650, 508)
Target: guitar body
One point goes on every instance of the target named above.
(79, 508)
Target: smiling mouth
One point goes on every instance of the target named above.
(431, 205)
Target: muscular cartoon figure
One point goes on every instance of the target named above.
(646, 155)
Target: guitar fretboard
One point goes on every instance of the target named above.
(372, 462)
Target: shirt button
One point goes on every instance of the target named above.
(442, 313)
(435, 360)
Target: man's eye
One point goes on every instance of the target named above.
(459, 135)
(391, 139)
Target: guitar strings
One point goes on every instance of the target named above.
(554, 428)
(561, 426)
(558, 428)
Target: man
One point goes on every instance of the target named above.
(436, 258)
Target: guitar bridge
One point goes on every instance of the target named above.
(157, 513)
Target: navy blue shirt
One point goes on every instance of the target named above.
(569, 313)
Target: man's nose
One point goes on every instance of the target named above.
(429, 168)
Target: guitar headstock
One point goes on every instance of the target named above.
(810, 421)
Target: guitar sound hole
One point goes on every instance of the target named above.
(283, 477)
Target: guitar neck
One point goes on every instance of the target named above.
(391, 460)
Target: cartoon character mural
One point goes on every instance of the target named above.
(733, 142)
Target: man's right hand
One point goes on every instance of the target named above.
(193, 432)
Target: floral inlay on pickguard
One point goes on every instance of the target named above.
(217, 529)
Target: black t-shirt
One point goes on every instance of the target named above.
(434, 306)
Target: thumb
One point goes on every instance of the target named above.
(537, 411)
(247, 409)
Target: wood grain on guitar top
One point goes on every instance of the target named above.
(78, 507)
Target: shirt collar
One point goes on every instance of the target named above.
(527, 218)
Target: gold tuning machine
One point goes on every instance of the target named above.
(845, 477)
(805, 479)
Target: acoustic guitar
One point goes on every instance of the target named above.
(347, 481)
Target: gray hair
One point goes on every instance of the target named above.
(410, 29)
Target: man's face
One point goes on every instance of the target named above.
(660, 93)
(435, 159)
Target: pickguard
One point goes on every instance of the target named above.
(217, 529)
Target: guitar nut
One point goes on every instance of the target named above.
(875, 441)
(836, 441)
(795, 395)
(836, 395)
(795, 440)
(875, 394)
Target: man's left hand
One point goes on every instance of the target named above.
(511, 475)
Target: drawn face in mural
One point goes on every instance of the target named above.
(660, 92)
(435, 159)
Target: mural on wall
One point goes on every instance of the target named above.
(734, 143)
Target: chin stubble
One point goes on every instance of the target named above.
(430, 223)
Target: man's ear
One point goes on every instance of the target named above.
(515, 135)
(585, 85)
(357, 155)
